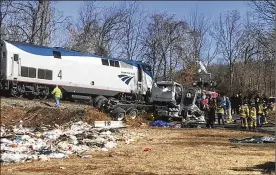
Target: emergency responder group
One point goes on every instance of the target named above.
(252, 113)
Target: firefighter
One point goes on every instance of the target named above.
(58, 94)
(252, 116)
(244, 111)
(220, 113)
(265, 113)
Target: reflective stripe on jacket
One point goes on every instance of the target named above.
(244, 111)
(220, 109)
(57, 92)
(252, 112)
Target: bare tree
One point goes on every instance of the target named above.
(228, 34)
(199, 27)
(5, 10)
(162, 43)
(98, 29)
(132, 30)
(34, 22)
(265, 10)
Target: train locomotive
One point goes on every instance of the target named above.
(34, 71)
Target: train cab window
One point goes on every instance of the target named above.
(112, 63)
(15, 57)
(117, 64)
(4, 54)
(56, 54)
(32, 72)
(105, 62)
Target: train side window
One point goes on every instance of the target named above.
(15, 57)
(112, 63)
(4, 55)
(105, 62)
(117, 64)
(32, 72)
(41, 73)
(48, 74)
(24, 71)
(56, 54)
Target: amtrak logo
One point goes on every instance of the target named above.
(125, 78)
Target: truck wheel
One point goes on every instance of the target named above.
(119, 113)
(132, 112)
(90, 102)
(100, 103)
(97, 99)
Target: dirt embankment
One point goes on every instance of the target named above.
(37, 116)
(37, 113)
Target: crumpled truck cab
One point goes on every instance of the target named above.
(167, 91)
(167, 98)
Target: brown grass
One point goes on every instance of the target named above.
(173, 151)
(139, 121)
(36, 116)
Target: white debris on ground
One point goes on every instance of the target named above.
(21, 144)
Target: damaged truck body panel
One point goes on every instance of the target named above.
(168, 101)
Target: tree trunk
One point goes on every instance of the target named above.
(231, 69)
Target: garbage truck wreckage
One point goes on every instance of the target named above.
(168, 101)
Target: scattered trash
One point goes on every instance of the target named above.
(160, 123)
(147, 149)
(86, 156)
(21, 144)
(254, 139)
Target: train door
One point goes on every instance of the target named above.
(15, 65)
(3, 60)
(140, 79)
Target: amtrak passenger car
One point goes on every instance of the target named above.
(37, 69)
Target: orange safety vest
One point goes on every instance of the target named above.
(260, 111)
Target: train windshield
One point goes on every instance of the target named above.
(165, 87)
(272, 100)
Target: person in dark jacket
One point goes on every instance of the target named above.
(211, 113)
(239, 103)
(233, 103)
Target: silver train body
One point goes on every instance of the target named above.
(36, 70)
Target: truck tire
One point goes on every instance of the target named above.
(91, 102)
(97, 99)
(132, 113)
(100, 103)
(118, 113)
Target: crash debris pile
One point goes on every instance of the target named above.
(255, 139)
(20, 144)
